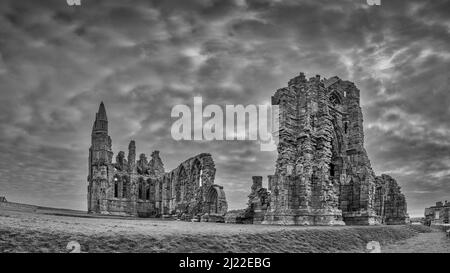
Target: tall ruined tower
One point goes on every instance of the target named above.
(100, 159)
(323, 174)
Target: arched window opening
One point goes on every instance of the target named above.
(196, 172)
(147, 194)
(116, 187)
(200, 182)
(183, 181)
(332, 170)
(335, 99)
(140, 189)
(212, 201)
(346, 127)
(124, 187)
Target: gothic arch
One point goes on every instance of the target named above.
(150, 190)
(167, 183)
(147, 193)
(196, 172)
(141, 188)
(212, 200)
(182, 181)
(125, 187)
(116, 183)
(337, 162)
(335, 98)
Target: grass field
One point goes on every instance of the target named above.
(22, 231)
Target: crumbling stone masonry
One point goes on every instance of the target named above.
(390, 203)
(258, 203)
(142, 188)
(323, 175)
(438, 214)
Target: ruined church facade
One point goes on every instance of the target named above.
(323, 175)
(142, 188)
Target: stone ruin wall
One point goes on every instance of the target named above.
(438, 214)
(323, 175)
(192, 191)
(390, 203)
(142, 188)
(258, 203)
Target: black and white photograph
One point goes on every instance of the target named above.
(251, 127)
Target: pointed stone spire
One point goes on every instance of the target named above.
(102, 112)
(101, 120)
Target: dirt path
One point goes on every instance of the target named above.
(433, 242)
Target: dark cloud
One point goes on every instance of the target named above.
(143, 57)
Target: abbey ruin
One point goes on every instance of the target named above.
(323, 175)
(142, 188)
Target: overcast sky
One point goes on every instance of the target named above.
(143, 57)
